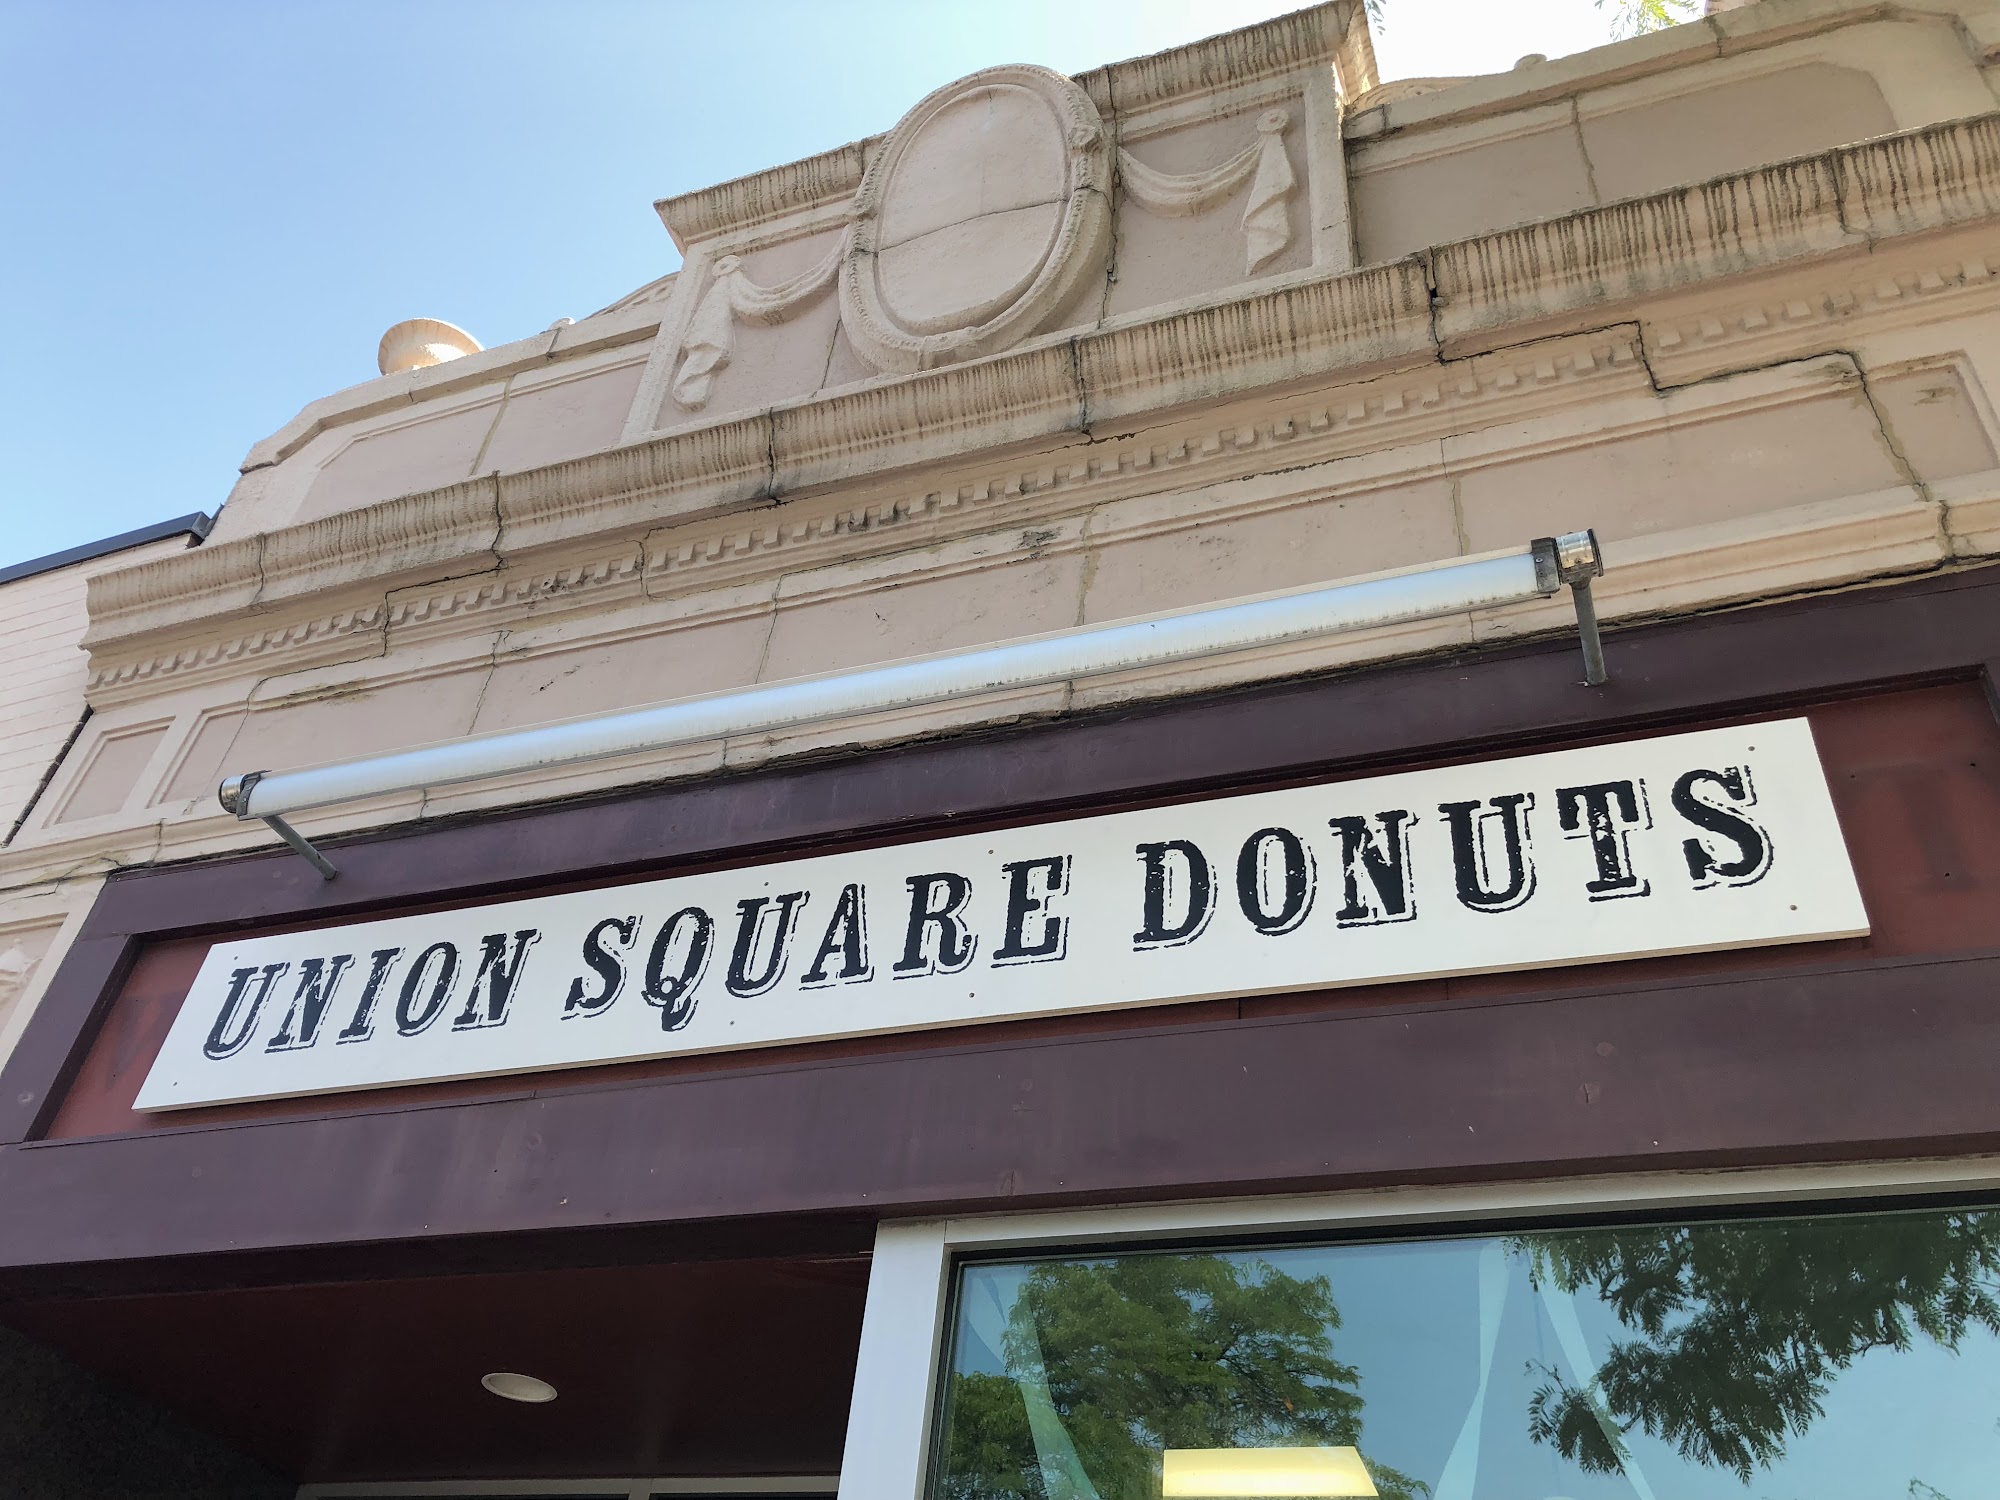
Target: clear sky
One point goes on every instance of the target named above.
(210, 212)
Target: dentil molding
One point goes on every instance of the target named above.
(1508, 287)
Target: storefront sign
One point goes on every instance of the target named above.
(1718, 839)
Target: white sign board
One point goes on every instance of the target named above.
(1724, 838)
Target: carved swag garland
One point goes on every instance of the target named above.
(732, 296)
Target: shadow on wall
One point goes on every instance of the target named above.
(66, 1435)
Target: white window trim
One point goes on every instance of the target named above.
(903, 1321)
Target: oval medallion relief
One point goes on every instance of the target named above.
(984, 212)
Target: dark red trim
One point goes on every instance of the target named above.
(1811, 1067)
(1884, 1060)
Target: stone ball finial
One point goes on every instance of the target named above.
(420, 343)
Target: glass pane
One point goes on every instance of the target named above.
(1851, 1357)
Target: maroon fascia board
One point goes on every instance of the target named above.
(1885, 1060)
(115, 1198)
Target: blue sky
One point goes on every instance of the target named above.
(212, 211)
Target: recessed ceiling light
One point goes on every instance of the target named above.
(511, 1387)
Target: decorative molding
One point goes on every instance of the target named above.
(1077, 248)
(1266, 219)
(1851, 198)
(16, 969)
(627, 322)
(1640, 248)
(1694, 343)
(1320, 35)
(1335, 33)
(710, 338)
(895, 333)
(1397, 412)
(1393, 411)
(652, 291)
(1398, 89)
(1412, 106)
(764, 197)
(1508, 287)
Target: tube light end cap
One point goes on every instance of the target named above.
(1577, 556)
(234, 793)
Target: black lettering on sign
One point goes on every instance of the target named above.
(607, 965)
(362, 1026)
(1701, 797)
(248, 989)
(846, 939)
(936, 941)
(1275, 876)
(752, 917)
(1375, 870)
(1606, 813)
(494, 983)
(669, 984)
(1179, 894)
(318, 979)
(1031, 883)
(411, 1017)
(1484, 883)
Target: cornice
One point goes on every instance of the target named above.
(627, 321)
(1587, 268)
(760, 197)
(1335, 33)
(1331, 34)
(1408, 106)
(707, 553)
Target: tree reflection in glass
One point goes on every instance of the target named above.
(1742, 1328)
(1146, 1353)
(1837, 1355)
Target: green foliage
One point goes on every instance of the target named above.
(1742, 1328)
(989, 1450)
(1630, 18)
(1149, 1352)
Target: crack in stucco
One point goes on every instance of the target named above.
(48, 775)
(770, 629)
(1583, 150)
(1113, 204)
(1082, 388)
(771, 454)
(1900, 458)
(478, 705)
(1461, 534)
(826, 365)
(1435, 301)
(499, 525)
(499, 411)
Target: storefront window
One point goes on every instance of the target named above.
(1836, 1356)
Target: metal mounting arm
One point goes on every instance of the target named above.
(1458, 587)
(234, 795)
(1573, 559)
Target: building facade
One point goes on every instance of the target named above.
(977, 848)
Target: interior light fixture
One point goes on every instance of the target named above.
(1538, 571)
(1244, 1473)
(509, 1386)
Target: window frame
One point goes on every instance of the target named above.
(906, 1320)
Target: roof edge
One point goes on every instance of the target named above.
(195, 524)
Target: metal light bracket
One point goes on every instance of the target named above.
(1451, 588)
(234, 795)
(1573, 559)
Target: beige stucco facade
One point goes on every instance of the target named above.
(1056, 352)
